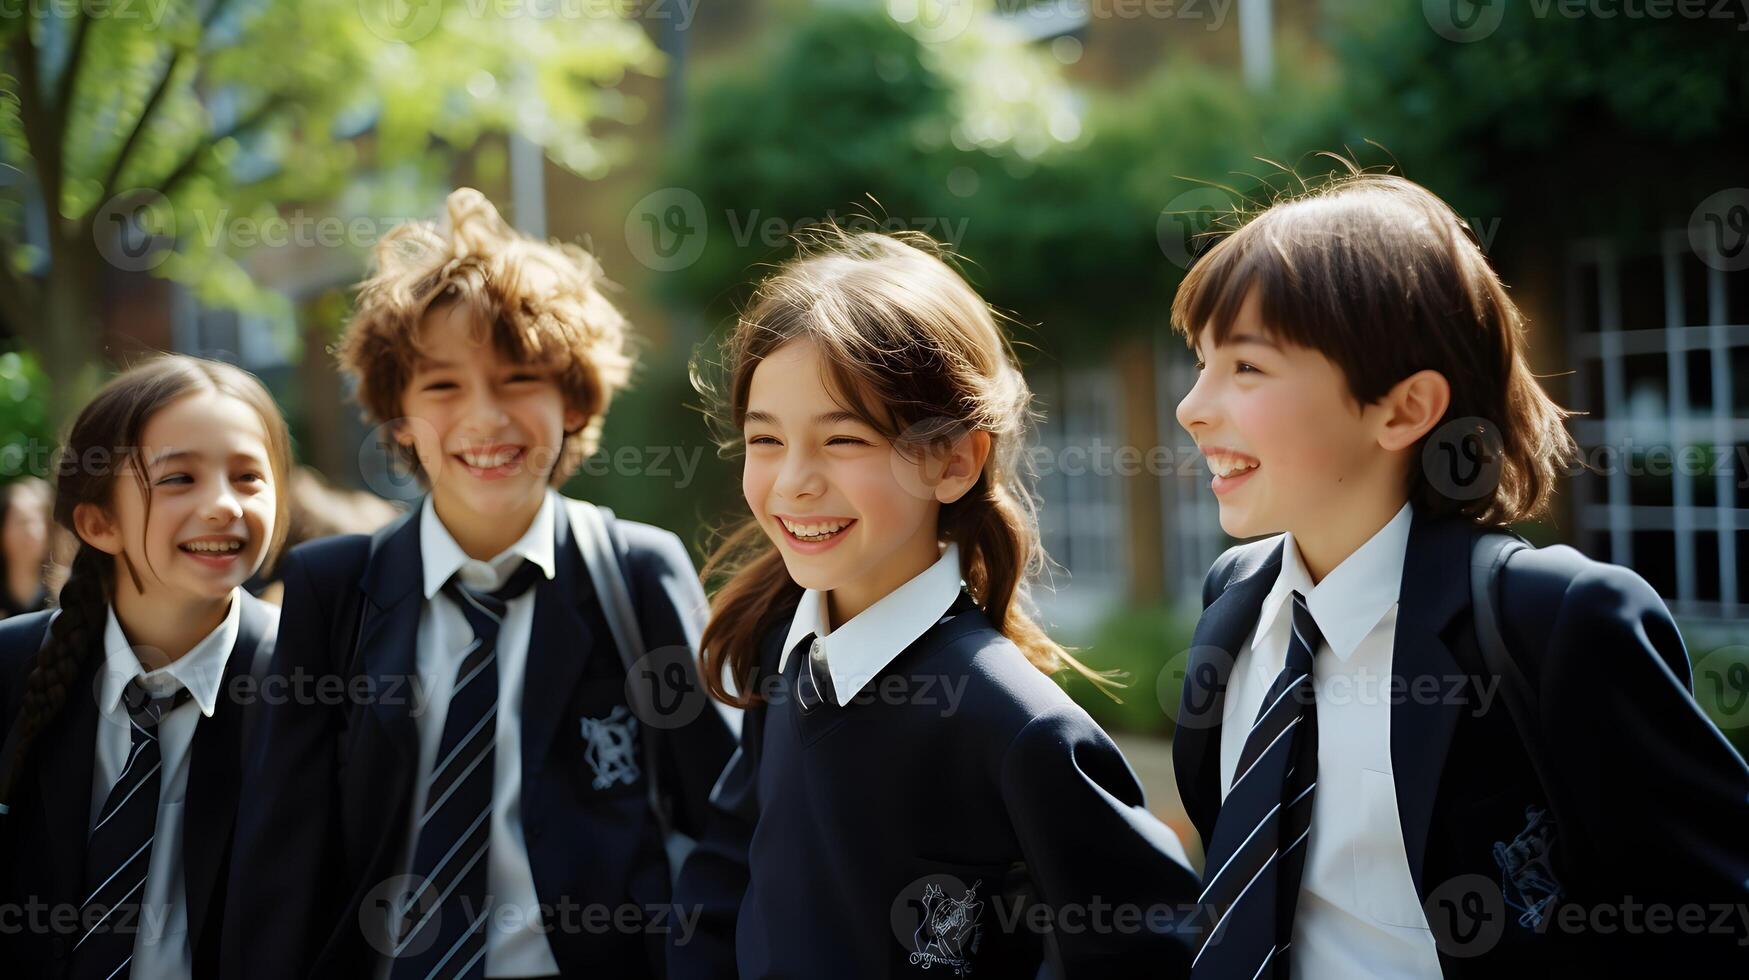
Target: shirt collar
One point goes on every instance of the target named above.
(859, 649)
(443, 557)
(201, 669)
(1350, 600)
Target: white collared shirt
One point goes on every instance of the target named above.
(161, 945)
(1358, 913)
(516, 945)
(860, 649)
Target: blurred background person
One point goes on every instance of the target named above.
(320, 509)
(24, 545)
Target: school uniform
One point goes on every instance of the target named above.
(1433, 847)
(85, 790)
(909, 790)
(345, 791)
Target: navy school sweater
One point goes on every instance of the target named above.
(961, 815)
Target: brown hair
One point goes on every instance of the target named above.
(103, 441)
(1383, 278)
(541, 302)
(920, 359)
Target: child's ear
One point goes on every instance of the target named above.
(97, 529)
(575, 419)
(965, 461)
(1412, 408)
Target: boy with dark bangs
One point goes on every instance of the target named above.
(1412, 744)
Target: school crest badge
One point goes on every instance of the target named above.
(612, 749)
(949, 933)
(1527, 874)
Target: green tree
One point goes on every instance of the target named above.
(1586, 124)
(166, 119)
(24, 431)
(1056, 196)
(846, 114)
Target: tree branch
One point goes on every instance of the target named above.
(41, 139)
(171, 64)
(191, 162)
(140, 125)
(63, 103)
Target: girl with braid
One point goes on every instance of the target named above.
(913, 794)
(126, 708)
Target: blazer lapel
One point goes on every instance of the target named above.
(559, 643)
(1436, 587)
(65, 754)
(1221, 634)
(215, 774)
(388, 640)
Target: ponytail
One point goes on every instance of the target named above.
(1000, 551)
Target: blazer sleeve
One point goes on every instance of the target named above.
(1092, 849)
(20, 637)
(1650, 789)
(714, 878)
(672, 610)
(288, 822)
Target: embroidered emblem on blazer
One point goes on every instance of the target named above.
(612, 747)
(1527, 875)
(949, 932)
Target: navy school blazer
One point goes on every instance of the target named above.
(1647, 803)
(330, 785)
(916, 833)
(42, 838)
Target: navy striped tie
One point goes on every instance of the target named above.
(1258, 849)
(120, 847)
(813, 678)
(442, 931)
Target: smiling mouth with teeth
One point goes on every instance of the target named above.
(1229, 467)
(488, 461)
(212, 547)
(822, 531)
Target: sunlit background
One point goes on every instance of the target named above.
(209, 178)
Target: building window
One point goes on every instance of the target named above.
(1661, 343)
(1080, 497)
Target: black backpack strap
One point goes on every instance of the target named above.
(1488, 562)
(598, 539)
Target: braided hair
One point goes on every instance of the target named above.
(104, 442)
